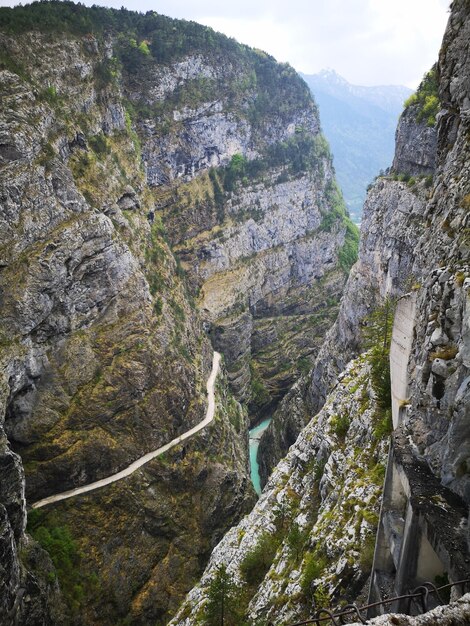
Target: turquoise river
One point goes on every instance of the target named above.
(255, 436)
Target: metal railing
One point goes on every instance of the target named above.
(419, 596)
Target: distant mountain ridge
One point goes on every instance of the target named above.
(387, 97)
(359, 123)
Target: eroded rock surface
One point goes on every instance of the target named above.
(142, 190)
(318, 513)
(415, 237)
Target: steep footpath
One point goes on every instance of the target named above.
(157, 181)
(103, 354)
(415, 240)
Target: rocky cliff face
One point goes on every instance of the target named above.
(415, 144)
(103, 353)
(129, 136)
(268, 284)
(310, 537)
(28, 573)
(414, 238)
(393, 220)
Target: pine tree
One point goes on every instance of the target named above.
(222, 608)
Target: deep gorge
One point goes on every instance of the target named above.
(155, 200)
(166, 192)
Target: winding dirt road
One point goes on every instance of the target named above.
(150, 455)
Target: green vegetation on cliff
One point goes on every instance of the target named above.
(151, 37)
(58, 542)
(299, 153)
(223, 601)
(377, 336)
(256, 563)
(337, 213)
(426, 98)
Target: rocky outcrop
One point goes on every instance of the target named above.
(430, 456)
(415, 145)
(393, 220)
(317, 514)
(270, 281)
(103, 355)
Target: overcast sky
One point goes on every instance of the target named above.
(369, 42)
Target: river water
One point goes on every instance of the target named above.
(255, 435)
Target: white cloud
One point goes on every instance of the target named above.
(367, 41)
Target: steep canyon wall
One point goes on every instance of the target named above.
(414, 240)
(160, 185)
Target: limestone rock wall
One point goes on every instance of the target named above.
(126, 233)
(270, 272)
(438, 412)
(318, 512)
(261, 244)
(103, 356)
(415, 145)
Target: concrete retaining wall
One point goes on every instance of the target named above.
(400, 351)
